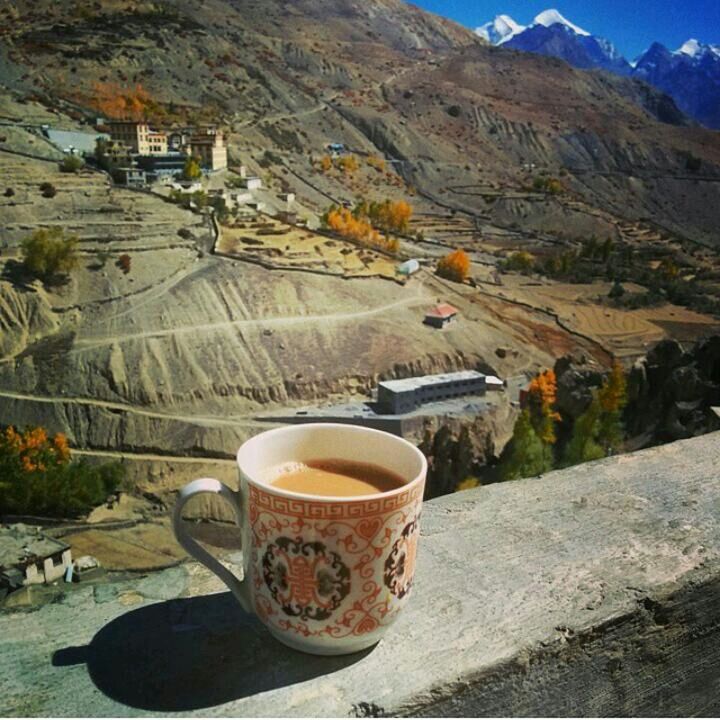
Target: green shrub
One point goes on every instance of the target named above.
(49, 252)
(549, 185)
(71, 164)
(521, 261)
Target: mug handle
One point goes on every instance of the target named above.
(239, 588)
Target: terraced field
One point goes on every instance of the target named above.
(275, 244)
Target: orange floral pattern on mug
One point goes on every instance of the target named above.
(316, 563)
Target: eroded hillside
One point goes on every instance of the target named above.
(180, 355)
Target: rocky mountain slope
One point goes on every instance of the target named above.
(181, 356)
(381, 76)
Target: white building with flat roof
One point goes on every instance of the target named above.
(402, 396)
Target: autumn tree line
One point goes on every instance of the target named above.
(374, 224)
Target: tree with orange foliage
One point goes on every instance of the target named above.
(38, 477)
(326, 163)
(122, 103)
(348, 164)
(394, 216)
(455, 266)
(348, 225)
(542, 396)
(388, 216)
(530, 451)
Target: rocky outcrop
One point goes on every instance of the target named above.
(25, 315)
(671, 391)
(575, 385)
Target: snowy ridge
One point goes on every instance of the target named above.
(695, 49)
(551, 17)
(690, 74)
(499, 30)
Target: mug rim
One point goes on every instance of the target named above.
(290, 494)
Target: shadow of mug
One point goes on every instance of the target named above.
(192, 653)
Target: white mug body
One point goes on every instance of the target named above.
(326, 575)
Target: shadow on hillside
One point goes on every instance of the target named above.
(192, 653)
(16, 274)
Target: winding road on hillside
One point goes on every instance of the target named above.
(325, 104)
(89, 343)
(117, 455)
(121, 407)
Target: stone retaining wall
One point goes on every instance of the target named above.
(589, 591)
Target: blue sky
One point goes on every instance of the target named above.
(630, 24)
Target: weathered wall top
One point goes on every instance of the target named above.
(592, 590)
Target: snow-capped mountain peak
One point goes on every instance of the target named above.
(553, 17)
(499, 30)
(691, 47)
(695, 49)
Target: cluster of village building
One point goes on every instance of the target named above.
(142, 153)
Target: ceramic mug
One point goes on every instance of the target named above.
(326, 575)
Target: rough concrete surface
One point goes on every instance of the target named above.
(589, 591)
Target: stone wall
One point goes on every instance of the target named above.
(589, 591)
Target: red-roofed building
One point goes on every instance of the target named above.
(441, 315)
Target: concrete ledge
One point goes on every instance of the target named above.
(590, 591)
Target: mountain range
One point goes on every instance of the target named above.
(690, 74)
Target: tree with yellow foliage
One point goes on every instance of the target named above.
(598, 432)
(612, 397)
(542, 396)
(455, 266)
(326, 163)
(348, 164)
(192, 169)
(49, 253)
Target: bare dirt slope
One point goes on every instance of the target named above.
(178, 356)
